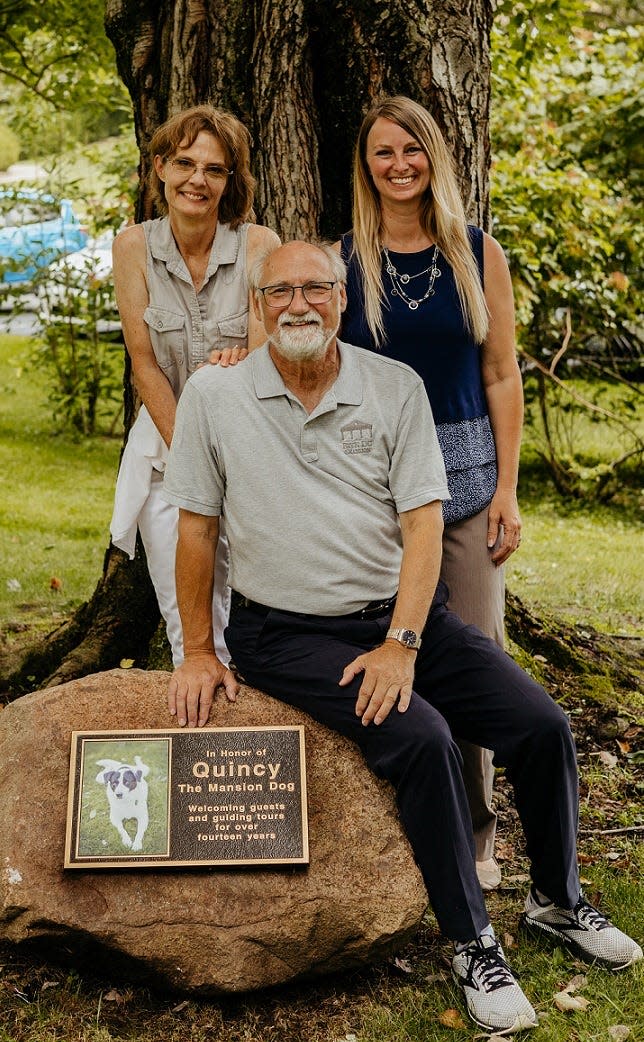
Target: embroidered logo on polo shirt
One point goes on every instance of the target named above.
(357, 437)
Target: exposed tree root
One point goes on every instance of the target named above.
(117, 622)
(601, 664)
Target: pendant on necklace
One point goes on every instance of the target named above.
(413, 304)
(404, 279)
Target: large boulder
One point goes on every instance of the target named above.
(206, 931)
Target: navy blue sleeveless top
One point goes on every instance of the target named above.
(434, 341)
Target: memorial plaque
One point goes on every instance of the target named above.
(187, 797)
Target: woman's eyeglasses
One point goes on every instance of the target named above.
(187, 168)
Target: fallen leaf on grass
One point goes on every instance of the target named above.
(434, 978)
(609, 759)
(112, 996)
(126, 663)
(586, 859)
(624, 747)
(504, 851)
(619, 1032)
(403, 965)
(55, 583)
(49, 984)
(451, 1018)
(568, 1003)
(631, 732)
(181, 1006)
(578, 982)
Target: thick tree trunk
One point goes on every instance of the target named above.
(300, 74)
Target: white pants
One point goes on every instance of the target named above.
(158, 524)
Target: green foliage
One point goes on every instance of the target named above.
(113, 202)
(83, 359)
(563, 230)
(9, 147)
(565, 197)
(58, 78)
(81, 348)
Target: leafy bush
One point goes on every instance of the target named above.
(81, 346)
(565, 198)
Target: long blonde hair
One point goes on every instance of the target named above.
(442, 217)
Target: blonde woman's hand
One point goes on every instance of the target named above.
(504, 526)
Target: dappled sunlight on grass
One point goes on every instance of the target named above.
(55, 499)
(580, 563)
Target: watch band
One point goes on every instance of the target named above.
(408, 638)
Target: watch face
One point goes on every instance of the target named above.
(409, 638)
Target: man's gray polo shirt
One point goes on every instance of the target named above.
(311, 502)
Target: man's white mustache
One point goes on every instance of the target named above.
(310, 318)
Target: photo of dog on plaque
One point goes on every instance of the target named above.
(124, 798)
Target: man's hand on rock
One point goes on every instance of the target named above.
(388, 678)
(192, 688)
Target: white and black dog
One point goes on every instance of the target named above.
(127, 795)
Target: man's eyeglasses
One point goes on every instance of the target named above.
(187, 168)
(313, 292)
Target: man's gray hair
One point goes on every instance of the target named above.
(337, 265)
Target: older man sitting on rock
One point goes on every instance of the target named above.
(323, 459)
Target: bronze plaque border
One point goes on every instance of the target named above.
(174, 738)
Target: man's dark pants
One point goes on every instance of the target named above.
(464, 687)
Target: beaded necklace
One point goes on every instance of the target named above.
(398, 279)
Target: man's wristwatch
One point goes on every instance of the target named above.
(408, 638)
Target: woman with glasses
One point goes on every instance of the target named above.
(182, 290)
(431, 291)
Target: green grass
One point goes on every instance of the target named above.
(97, 836)
(55, 498)
(581, 562)
(382, 1004)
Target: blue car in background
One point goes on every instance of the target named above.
(35, 229)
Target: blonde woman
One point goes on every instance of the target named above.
(431, 291)
(182, 290)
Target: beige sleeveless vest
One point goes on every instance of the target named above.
(186, 326)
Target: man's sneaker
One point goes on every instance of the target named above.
(494, 999)
(588, 933)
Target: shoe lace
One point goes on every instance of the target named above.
(493, 970)
(590, 916)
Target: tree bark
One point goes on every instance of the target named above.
(300, 74)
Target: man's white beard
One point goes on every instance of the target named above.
(300, 343)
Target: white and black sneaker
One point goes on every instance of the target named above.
(494, 999)
(583, 929)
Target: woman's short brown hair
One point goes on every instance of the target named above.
(181, 130)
